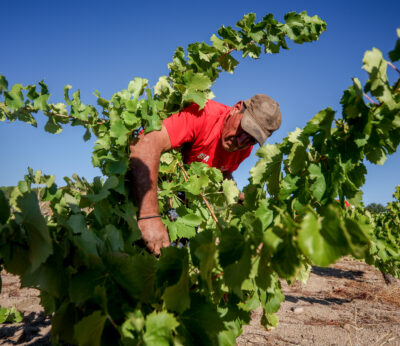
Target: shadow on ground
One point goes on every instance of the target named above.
(312, 300)
(27, 331)
(338, 273)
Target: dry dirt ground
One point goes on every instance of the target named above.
(345, 304)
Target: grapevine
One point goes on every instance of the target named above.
(385, 249)
(85, 256)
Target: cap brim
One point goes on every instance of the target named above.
(252, 128)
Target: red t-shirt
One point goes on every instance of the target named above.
(198, 132)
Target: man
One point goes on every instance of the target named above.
(218, 135)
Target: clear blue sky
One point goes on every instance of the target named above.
(102, 45)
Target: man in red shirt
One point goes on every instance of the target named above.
(217, 135)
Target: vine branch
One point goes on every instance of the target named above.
(186, 177)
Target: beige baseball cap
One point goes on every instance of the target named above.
(261, 117)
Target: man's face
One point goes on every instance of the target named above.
(233, 137)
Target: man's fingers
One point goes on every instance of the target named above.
(154, 235)
(157, 249)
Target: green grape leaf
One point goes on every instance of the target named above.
(82, 285)
(196, 81)
(66, 94)
(3, 84)
(32, 220)
(119, 130)
(135, 274)
(14, 98)
(10, 315)
(297, 158)
(228, 63)
(134, 322)
(190, 220)
(183, 230)
(268, 168)
(288, 186)
(176, 296)
(318, 187)
(228, 336)
(162, 86)
(264, 214)
(49, 277)
(25, 116)
(159, 327)
(315, 245)
(271, 241)
(111, 183)
(236, 273)
(52, 126)
(203, 250)
(198, 97)
(89, 329)
(231, 191)
(114, 239)
(218, 43)
(202, 321)
(87, 242)
(137, 86)
(87, 135)
(377, 156)
(231, 247)
(40, 102)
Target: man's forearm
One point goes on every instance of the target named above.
(144, 162)
(145, 158)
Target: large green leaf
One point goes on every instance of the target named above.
(88, 331)
(159, 328)
(137, 86)
(173, 273)
(203, 249)
(135, 274)
(39, 238)
(231, 191)
(313, 244)
(201, 322)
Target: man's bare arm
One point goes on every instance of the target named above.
(144, 162)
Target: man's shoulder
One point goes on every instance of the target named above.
(213, 107)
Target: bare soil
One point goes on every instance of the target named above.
(345, 304)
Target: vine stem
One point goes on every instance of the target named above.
(288, 168)
(114, 324)
(71, 117)
(29, 109)
(230, 51)
(396, 86)
(186, 177)
(371, 100)
(394, 67)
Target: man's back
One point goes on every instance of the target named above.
(198, 132)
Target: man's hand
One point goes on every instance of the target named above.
(145, 159)
(154, 234)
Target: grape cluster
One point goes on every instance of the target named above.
(172, 214)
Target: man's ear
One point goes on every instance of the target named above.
(238, 106)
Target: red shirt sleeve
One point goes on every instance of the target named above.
(181, 127)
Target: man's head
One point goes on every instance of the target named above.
(249, 122)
